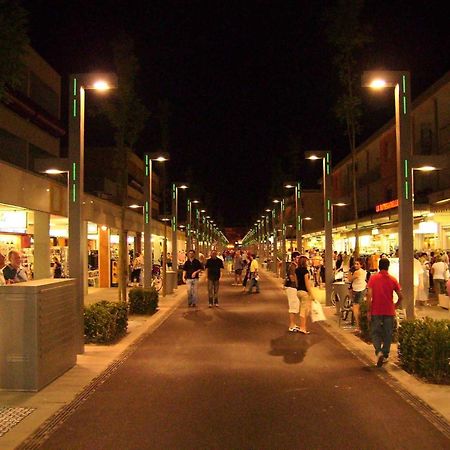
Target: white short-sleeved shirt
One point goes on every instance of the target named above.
(439, 269)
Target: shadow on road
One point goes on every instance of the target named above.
(292, 346)
(197, 315)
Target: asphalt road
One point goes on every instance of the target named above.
(233, 378)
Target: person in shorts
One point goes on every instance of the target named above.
(358, 280)
(304, 292)
(291, 292)
(238, 266)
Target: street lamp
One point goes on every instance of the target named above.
(325, 156)
(189, 222)
(148, 203)
(165, 220)
(400, 81)
(298, 210)
(175, 187)
(275, 238)
(77, 228)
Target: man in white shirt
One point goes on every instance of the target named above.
(14, 272)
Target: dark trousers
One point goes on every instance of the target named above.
(382, 328)
(213, 291)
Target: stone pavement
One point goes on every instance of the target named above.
(434, 395)
(90, 365)
(97, 359)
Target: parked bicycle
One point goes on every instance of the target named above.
(157, 280)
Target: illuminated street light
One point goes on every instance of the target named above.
(400, 81)
(78, 84)
(175, 187)
(327, 217)
(148, 203)
(298, 210)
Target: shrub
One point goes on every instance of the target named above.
(424, 348)
(105, 322)
(364, 325)
(143, 301)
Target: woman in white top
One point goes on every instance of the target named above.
(358, 280)
(438, 270)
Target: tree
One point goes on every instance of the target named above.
(128, 116)
(13, 44)
(349, 37)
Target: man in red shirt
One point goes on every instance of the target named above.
(381, 309)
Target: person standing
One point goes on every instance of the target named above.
(2, 264)
(13, 271)
(438, 270)
(238, 266)
(253, 281)
(358, 280)
(304, 292)
(381, 309)
(191, 273)
(57, 268)
(291, 292)
(213, 267)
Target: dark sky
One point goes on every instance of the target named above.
(244, 79)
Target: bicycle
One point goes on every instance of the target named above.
(157, 280)
(344, 304)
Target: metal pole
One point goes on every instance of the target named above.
(77, 238)
(164, 263)
(283, 239)
(189, 226)
(148, 257)
(298, 217)
(404, 190)
(174, 227)
(328, 227)
(275, 249)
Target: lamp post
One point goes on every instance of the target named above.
(165, 220)
(148, 202)
(298, 211)
(189, 230)
(275, 239)
(283, 239)
(175, 187)
(400, 81)
(77, 227)
(325, 156)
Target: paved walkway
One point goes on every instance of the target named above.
(94, 368)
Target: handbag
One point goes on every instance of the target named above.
(317, 313)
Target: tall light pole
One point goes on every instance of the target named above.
(298, 212)
(400, 81)
(148, 202)
(283, 238)
(77, 227)
(325, 156)
(175, 187)
(165, 220)
(275, 239)
(189, 228)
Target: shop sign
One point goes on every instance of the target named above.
(384, 206)
(13, 221)
(428, 227)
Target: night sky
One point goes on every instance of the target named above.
(246, 81)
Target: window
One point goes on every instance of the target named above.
(44, 96)
(13, 149)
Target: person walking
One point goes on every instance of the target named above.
(191, 274)
(253, 281)
(381, 309)
(238, 266)
(359, 284)
(214, 267)
(304, 292)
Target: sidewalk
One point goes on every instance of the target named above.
(435, 396)
(38, 407)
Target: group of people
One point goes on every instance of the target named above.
(378, 291)
(11, 270)
(213, 267)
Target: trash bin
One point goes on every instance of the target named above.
(340, 292)
(171, 281)
(37, 332)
